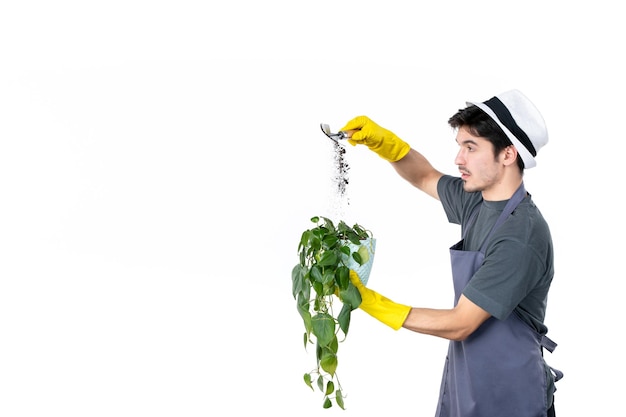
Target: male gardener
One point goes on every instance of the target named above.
(502, 267)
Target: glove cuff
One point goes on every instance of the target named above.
(387, 312)
(392, 149)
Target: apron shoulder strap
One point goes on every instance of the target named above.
(511, 205)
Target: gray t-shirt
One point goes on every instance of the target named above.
(519, 260)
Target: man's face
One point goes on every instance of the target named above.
(479, 169)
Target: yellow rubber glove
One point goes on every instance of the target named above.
(381, 308)
(382, 141)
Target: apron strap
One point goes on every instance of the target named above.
(557, 374)
(550, 345)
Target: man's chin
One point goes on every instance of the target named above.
(468, 188)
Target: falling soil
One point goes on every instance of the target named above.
(339, 196)
(341, 169)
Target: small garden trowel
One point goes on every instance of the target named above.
(334, 136)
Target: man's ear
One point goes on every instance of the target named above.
(509, 155)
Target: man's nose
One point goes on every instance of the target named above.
(460, 158)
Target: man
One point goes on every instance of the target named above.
(502, 267)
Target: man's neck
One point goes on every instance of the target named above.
(502, 191)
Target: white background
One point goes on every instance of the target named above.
(159, 161)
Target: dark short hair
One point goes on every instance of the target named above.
(480, 124)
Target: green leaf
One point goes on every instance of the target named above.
(351, 296)
(303, 309)
(306, 289)
(344, 318)
(359, 230)
(323, 328)
(314, 242)
(329, 241)
(339, 399)
(364, 253)
(308, 381)
(328, 258)
(342, 227)
(320, 383)
(304, 239)
(353, 237)
(328, 277)
(319, 288)
(333, 346)
(342, 277)
(297, 278)
(317, 273)
(329, 362)
(328, 223)
(327, 403)
(330, 387)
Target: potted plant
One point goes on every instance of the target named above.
(321, 278)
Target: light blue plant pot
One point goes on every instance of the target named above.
(363, 270)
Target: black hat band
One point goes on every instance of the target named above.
(507, 120)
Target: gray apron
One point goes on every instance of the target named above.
(498, 371)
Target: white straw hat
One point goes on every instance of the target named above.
(520, 120)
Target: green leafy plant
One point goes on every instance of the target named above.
(321, 278)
